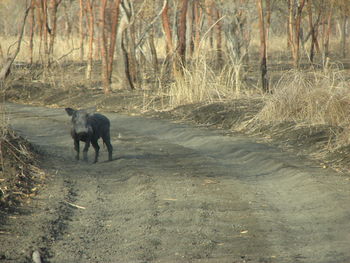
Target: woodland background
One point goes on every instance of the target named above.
(293, 54)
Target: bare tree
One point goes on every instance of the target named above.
(53, 18)
(115, 17)
(198, 15)
(81, 29)
(6, 67)
(167, 30)
(326, 33)
(181, 49)
(103, 43)
(344, 23)
(31, 30)
(313, 29)
(262, 29)
(89, 4)
(295, 8)
(45, 31)
(218, 26)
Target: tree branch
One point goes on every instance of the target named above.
(151, 24)
(5, 71)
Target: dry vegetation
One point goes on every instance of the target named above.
(311, 94)
(19, 176)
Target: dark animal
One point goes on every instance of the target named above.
(89, 127)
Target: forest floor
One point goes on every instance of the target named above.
(194, 184)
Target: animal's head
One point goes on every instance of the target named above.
(80, 123)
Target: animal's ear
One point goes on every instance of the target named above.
(70, 111)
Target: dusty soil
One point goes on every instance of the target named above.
(184, 185)
(174, 193)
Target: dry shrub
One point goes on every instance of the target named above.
(311, 97)
(204, 81)
(19, 175)
(198, 83)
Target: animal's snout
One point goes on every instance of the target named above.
(81, 130)
(82, 134)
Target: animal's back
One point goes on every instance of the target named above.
(99, 123)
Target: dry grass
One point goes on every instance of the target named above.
(197, 84)
(66, 49)
(311, 97)
(202, 82)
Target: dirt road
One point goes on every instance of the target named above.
(175, 193)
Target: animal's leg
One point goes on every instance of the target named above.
(76, 148)
(97, 149)
(85, 151)
(107, 141)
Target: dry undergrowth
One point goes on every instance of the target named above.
(315, 98)
(203, 80)
(309, 98)
(19, 176)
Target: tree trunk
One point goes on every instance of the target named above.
(122, 67)
(132, 62)
(197, 20)
(167, 30)
(115, 17)
(45, 32)
(153, 53)
(295, 12)
(129, 42)
(67, 23)
(312, 31)
(53, 17)
(263, 66)
(81, 29)
(40, 23)
(326, 32)
(105, 76)
(209, 7)
(189, 30)
(6, 68)
(168, 39)
(218, 26)
(343, 35)
(31, 31)
(130, 83)
(181, 60)
(268, 22)
(91, 38)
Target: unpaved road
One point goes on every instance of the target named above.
(175, 193)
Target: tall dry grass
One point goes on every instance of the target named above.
(205, 81)
(198, 83)
(313, 97)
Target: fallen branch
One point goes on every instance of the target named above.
(76, 206)
(71, 51)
